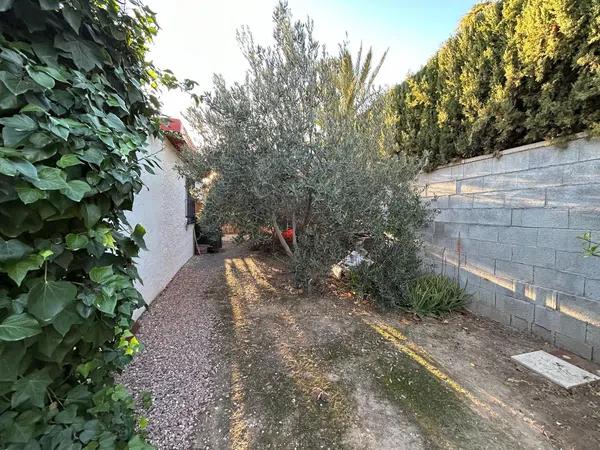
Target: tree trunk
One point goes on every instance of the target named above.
(284, 244)
(294, 240)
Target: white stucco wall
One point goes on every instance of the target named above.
(160, 207)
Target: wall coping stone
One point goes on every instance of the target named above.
(512, 150)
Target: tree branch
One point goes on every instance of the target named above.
(284, 244)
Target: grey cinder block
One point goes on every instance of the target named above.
(460, 201)
(511, 162)
(477, 168)
(484, 232)
(543, 257)
(551, 156)
(557, 321)
(561, 281)
(580, 308)
(517, 235)
(567, 240)
(540, 178)
(576, 346)
(515, 271)
(540, 217)
(585, 196)
(470, 185)
(515, 307)
(488, 200)
(525, 198)
(585, 220)
(592, 289)
(578, 263)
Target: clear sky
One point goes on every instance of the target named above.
(197, 37)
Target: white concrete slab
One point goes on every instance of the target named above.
(555, 369)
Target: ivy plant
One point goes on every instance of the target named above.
(78, 102)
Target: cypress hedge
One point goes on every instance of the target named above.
(515, 72)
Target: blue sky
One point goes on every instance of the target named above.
(197, 37)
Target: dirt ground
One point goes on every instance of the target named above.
(328, 371)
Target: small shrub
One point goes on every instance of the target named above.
(434, 294)
(395, 268)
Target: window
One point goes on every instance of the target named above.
(190, 203)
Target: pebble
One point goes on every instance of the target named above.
(180, 338)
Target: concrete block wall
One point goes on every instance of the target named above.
(508, 228)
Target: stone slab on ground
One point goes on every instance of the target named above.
(555, 369)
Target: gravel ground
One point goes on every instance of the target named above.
(175, 365)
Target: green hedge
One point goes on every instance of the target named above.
(75, 115)
(515, 72)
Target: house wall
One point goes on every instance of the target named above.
(161, 207)
(508, 229)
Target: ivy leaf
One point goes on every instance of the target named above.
(25, 168)
(5, 5)
(12, 137)
(16, 85)
(53, 72)
(92, 155)
(7, 167)
(58, 127)
(138, 236)
(29, 194)
(137, 443)
(23, 428)
(11, 356)
(30, 107)
(76, 190)
(48, 341)
(8, 100)
(46, 52)
(49, 5)
(76, 241)
(48, 298)
(20, 122)
(116, 101)
(13, 249)
(114, 122)
(41, 78)
(72, 17)
(106, 303)
(11, 56)
(50, 179)
(101, 274)
(91, 214)
(84, 54)
(18, 270)
(31, 389)
(18, 326)
(65, 320)
(68, 160)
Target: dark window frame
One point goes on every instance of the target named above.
(190, 203)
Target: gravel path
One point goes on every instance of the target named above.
(175, 366)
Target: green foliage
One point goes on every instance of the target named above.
(435, 294)
(290, 147)
(591, 246)
(76, 110)
(516, 72)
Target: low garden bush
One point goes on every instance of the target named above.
(435, 294)
(515, 72)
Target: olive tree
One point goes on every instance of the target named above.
(283, 152)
